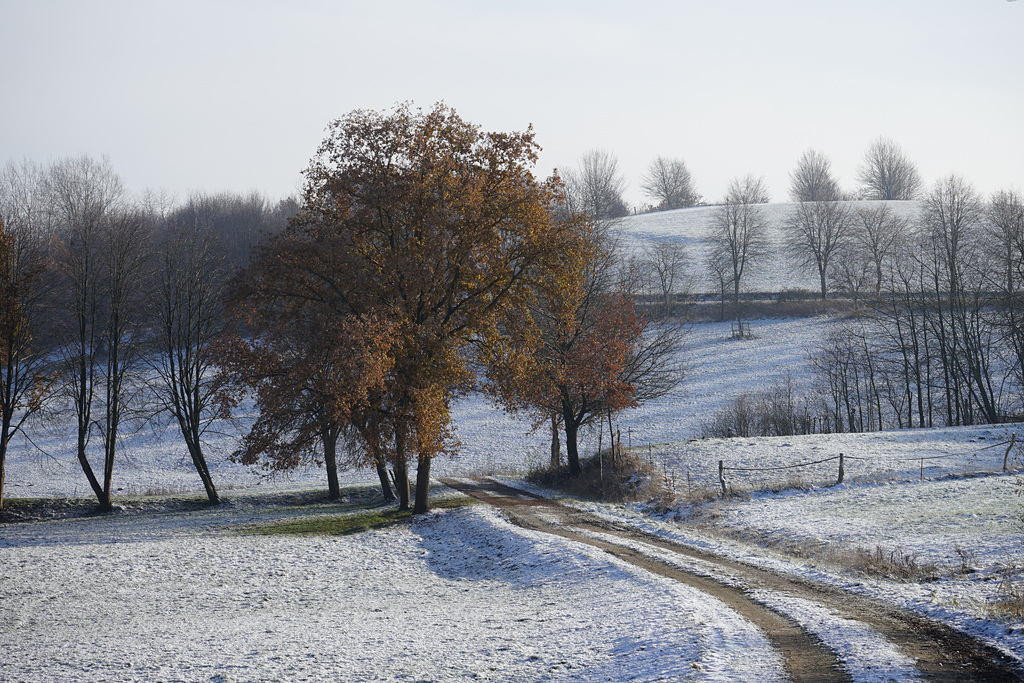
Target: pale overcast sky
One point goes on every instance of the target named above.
(235, 95)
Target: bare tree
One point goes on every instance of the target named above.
(238, 221)
(595, 187)
(666, 262)
(816, 235)
(952, 221)
(720, 267)
(24, 200)
(875, 234)
(126, 241)
(82, 194)
(852, 274)
(886, 172)
(26, 353)
(748, 190)
(191, 279)
(738, 230)
(99, 261)
(670, 183)
(1005, 228)
(812, 179)
(25, 363)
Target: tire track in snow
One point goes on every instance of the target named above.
(939, 652)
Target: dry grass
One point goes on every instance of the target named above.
(894, 563)
(700, 495)
(1010, 601)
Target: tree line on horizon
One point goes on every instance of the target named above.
(596, 185)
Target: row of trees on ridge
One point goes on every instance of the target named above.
(596, 186)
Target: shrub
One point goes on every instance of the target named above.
(770, 412)
(626, 477)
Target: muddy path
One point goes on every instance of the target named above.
(941, 653)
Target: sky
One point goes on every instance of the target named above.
(214, 95)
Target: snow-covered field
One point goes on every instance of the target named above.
(461, 594)
(458, 595)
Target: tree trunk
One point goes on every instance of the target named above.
(199, 460)
(190, 433)
(422, 485)
(330, 441)
(401, 470)
(556, 447)
(611, 438)
(382, 474)
(571, 448)
(89, 474)
(3, 464)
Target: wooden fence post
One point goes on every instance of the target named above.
(842, 470)
(1006, 458)
(721, 475)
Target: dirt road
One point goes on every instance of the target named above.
(940, 652)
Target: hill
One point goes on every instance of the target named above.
(690, 227)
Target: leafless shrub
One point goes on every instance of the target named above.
(966, 559)
(776, 411)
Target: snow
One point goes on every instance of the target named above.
(911, 454)
(463, 595)
(936, 519)
(456, 595)
(864, 655)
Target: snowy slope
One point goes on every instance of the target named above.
(690, 227)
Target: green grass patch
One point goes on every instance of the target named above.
(350, 523)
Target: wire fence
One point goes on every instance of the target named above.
(843, 461)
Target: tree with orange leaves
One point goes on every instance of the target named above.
(309, 375)
(435, 228)
(583, 353)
